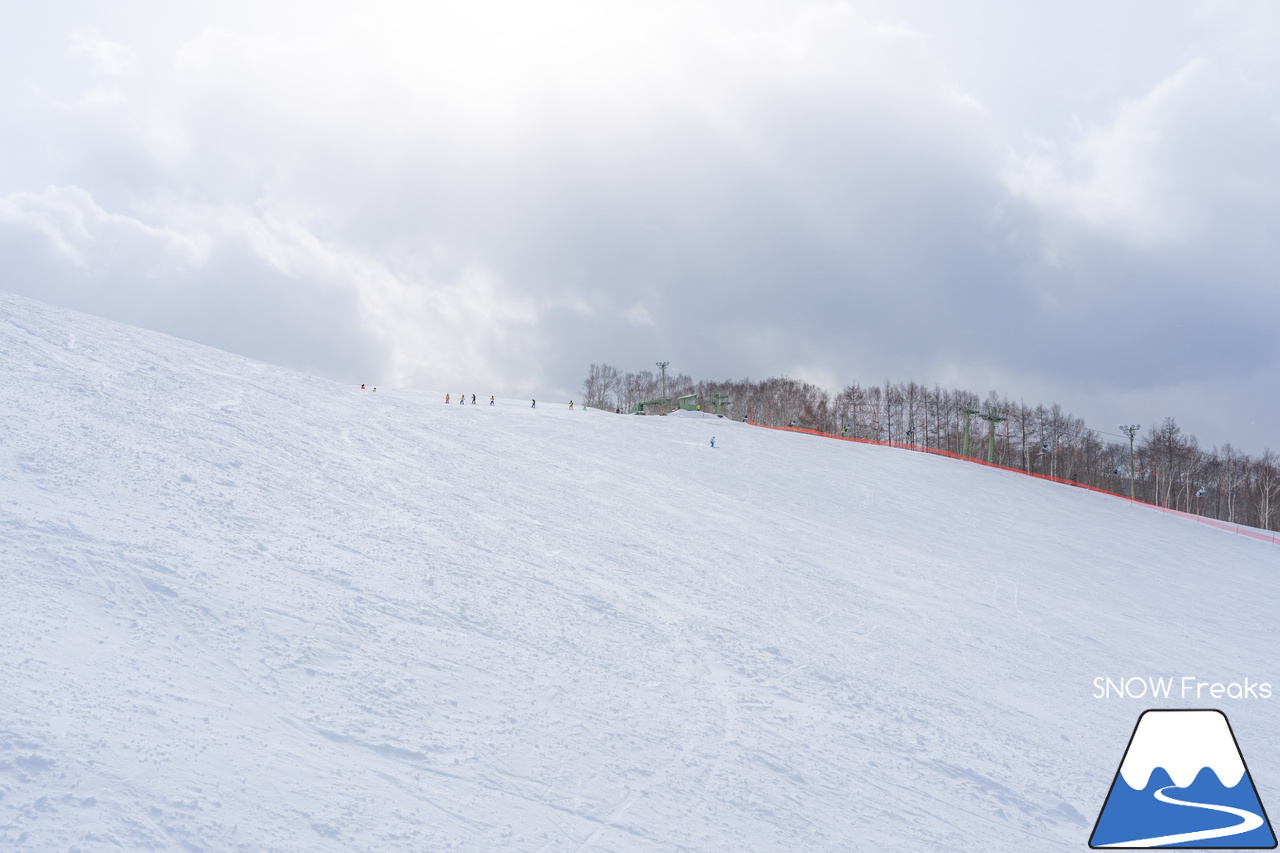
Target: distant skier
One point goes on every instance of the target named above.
(446, 398)
(473, 399)
(571, 405)
(535, 405)
(793, 423)
(744, 419)
(462, 400)
(490, 399)
(361, 386)
(713, 441)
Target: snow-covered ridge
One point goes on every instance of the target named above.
(1183, 743)
(248, 609)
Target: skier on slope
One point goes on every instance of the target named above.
(571, 405)
(535, 405)
(473, 399)
(490, 399)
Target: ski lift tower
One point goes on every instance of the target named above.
(968, 410)
(662, 366)
(992, 417)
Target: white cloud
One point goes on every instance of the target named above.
(432, 330)
(107, 57)
(638, 315)
(1117, 179)
(81, 232)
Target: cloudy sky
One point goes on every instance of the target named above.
(1077, 204)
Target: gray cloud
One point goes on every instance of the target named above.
(1075, 208)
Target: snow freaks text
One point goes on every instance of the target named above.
(1186, 687)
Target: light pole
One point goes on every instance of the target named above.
(1132, 430)
(662, 365)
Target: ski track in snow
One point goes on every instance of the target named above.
(248, 609)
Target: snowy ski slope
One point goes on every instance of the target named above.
(247, 609)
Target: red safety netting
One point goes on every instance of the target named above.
(1240, 529)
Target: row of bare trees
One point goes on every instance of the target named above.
(1167, 467)
(607, 388)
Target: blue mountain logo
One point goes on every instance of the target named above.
(1183, 783)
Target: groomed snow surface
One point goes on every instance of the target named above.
(248, 609)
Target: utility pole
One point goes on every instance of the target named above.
(1132, 430)
(992, 417)
(662, 365)
(968, 410)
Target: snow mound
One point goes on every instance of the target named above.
(683, 413)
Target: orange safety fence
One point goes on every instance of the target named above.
(1240, 529)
